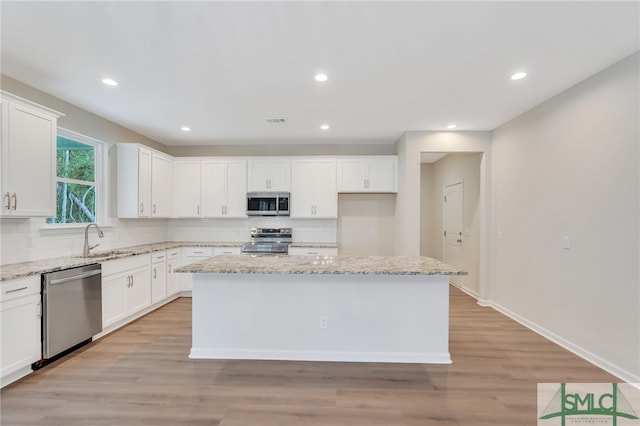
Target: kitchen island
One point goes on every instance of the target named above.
(343, 308)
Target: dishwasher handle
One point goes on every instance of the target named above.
(75, 277)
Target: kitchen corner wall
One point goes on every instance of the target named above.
(24, 240)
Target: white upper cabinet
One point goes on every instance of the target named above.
(224, 188)
(313, 189)
(186, 188)
(161, 185)
(28, 158)
(368, 174)
(144, 182)
(269, 175)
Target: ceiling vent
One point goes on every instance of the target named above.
(276, 120)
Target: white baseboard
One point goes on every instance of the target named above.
(395, 357)
(621, 373)
(465, 290)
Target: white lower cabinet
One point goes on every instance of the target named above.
(126, 287)
(158, 276)
(20, 316)
(313, 251)
(192, 255)
(173, 279)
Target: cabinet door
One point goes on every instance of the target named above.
(114, 298)
(236, 189)
(280, 175)
(352, 174)
(20, 315)
(269, 175)
(302, 189)
(158, 282)
(382, 175)
(173, 282)
(144, 182)
(186, 188)
(325, 192)
(213, 188)
(161, 185)
(258, 175)
(139, 290)
(28, 161)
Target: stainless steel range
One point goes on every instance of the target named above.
(268, 241)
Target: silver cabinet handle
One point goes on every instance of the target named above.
(15, 201)
(198, 252)
(154, 273)
(141, 207)
(154, 209)
(170, 270)
(198, 210)
(222, 209)
(312, 252)
(39, 310)
(13, 290)
(8, 197)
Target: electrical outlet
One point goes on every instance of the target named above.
(324, 323)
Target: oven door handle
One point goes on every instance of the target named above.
(75, 277)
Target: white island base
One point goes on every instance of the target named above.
(321, 317)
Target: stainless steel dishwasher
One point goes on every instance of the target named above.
(71, 308)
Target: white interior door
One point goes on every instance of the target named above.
(453, 227)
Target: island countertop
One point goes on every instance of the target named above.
(333, 265)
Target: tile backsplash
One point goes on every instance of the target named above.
(24, 240)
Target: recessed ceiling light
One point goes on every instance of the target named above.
(451, 126)
(325, 127)
(109, 82)
(321, 77)
(185, 128)
(519, 75)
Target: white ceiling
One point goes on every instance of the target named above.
(224, 68)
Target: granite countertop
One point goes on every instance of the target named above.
(340, 265)
(43, 266)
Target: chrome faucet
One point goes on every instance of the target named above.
(87, 247)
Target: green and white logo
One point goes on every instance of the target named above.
(587, 403)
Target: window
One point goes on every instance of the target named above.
(78, 179)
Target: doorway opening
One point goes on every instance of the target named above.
(451, 231)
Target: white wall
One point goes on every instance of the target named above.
(366, 224)
(453, 168)
(570, 167)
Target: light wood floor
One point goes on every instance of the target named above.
(141, 375)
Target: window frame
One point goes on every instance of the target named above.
(99, 174)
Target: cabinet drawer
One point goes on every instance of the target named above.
(125, 264)
(313, 251)
(158, 256)
(226, 250)
(198, 251)
(173, 254)
(13, 289)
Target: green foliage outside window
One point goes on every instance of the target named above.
(75, 182)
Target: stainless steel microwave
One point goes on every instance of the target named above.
(268, 204)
